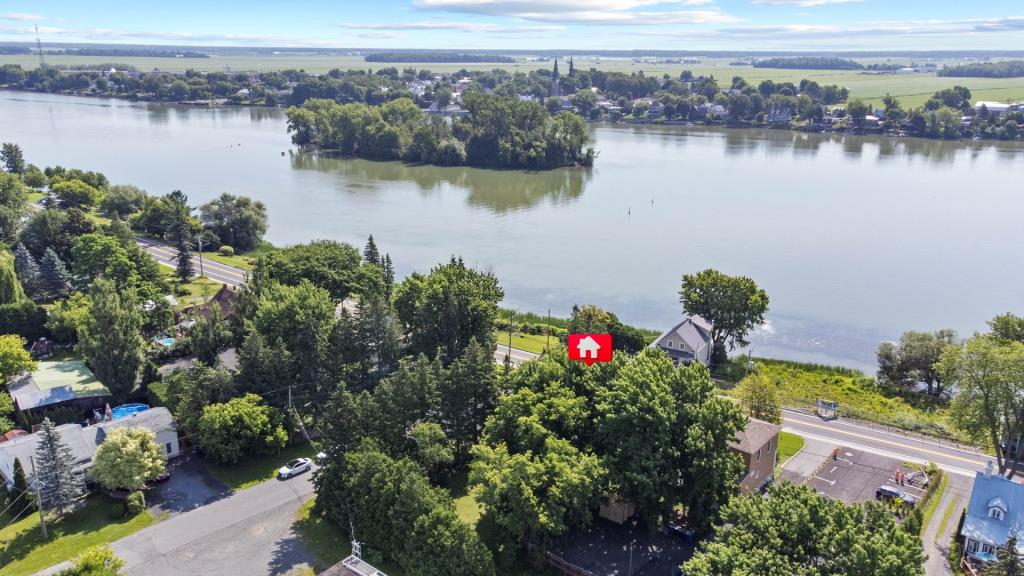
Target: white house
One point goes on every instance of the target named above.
(83, 441)
(588, 348)
(687, 341)
(994, 108)
(995, 511)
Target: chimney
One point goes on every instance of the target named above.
(988, 470)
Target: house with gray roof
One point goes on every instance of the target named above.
(758, 445)
(995, 511)
(352, 566)
(687, 341)
(83, 440)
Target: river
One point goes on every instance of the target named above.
(855, 239)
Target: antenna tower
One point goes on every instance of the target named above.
(39, 48)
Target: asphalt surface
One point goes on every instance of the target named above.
(248, 532)
(517, 356)
(892, 444)
(215, 271)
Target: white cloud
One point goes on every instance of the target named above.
(456, 26)
(803, 32)
(24, 17)
(30, 30)
(379, 35)
(801, 3)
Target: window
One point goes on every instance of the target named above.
(758, 455)
(995, 513)
(972, 546)
(988, 549)
(167, 449)
(669, 343)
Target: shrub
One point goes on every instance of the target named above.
(136, 502)
(116, 509)
(226, 250)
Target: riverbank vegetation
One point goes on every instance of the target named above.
(497, 132)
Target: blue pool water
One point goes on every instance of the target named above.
(125, 410)
(168, 341)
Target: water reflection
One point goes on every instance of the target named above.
(496, 190)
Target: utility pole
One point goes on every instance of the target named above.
(39, 499)
(201, 257)
(547, 330)
(39, 48)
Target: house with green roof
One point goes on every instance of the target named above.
(67, 383)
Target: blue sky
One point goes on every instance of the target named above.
(526, 24)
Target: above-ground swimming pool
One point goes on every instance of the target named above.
(126, 410)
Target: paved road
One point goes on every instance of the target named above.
(215, 271)
(885, 443)
(248, 532)
(517, 356)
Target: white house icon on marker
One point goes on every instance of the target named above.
(588, 348)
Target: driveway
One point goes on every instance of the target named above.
(855, 475)
(190, 486)
(806, 462)
(247, 532)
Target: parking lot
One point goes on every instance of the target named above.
(854, 476)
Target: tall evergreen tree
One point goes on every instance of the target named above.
(54, 277)
(110, 338)
(389, 276)
(468, 395)
(12, 157)
(20, 485)
(371, 254)
(208, 336)
(184, 268)
(1009, 561)
(27, 269)
(55, 470)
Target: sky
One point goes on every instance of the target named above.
(811, 25)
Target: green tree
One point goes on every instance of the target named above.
(263, 366)
(431, 448)
(858, 110)
(94, 255)
(240, 428)
(301, 318)
(123, 199)
(110, 338)
(238, 221)
(440, 543)
(190, 391)
(913, 359)
(54, 276)
(1007, 327)
(59, 486)
(734, 305)
(14, 359)
(34, 177)
(405, 398)
(796, 531)
(1009, 562)
(27, 270)
(128, 458)
(989, 402)
(759, 397)
(95, 561)
(12, 157)
(19, 486)
(75, 194)
(449, 307)
(330, 265)
(208, 336)
(13, 202)
(468, 395)
(10, 288)
(65, 316)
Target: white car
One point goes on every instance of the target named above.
(297, 466)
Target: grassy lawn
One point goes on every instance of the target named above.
(465, 504)
(256, 470)
(933, 502)
(243, 262)
(25, 552)
(528, 342)
(789, 444)
(35, 196)
(199, 289)
(158, 394)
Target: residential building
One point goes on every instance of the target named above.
(352, 566)
(224, 299)
(83, 440)
(994, 108)
(758, 445)
(687, 341)
(995, 510)
(67, 383)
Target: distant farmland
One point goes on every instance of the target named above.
(911, 89)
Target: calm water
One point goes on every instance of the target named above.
(855, 239)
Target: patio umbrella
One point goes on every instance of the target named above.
(108, 413)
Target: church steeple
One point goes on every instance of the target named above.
(572, 68)
(554, 74)
(556, 90)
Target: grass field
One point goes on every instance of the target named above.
(465, 505)
(911, 89)
(259, 469)
(24, 552)
(200, 289)
(933, 502)
(789, 444)
(528, 342)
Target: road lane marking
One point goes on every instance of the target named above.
(892, 443)
(880, 452)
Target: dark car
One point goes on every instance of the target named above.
(891, 493)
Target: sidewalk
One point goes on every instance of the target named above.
(806, 461)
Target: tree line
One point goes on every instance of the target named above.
(437, 58)
(809, 63)
(497, 132)
(1010, 69)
